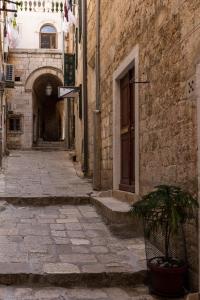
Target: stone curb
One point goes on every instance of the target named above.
(90, 280)
(119, 221)
(47, 201)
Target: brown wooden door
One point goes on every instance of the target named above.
(127, 132)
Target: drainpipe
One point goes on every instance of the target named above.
(97, 111)
(85, 94)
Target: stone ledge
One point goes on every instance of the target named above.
(125, 196)
(47, 201)
(140, 292)
(35, 51)
(91, 280)
(117, 215)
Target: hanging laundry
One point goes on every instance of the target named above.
(14, 23)
(72, 18)
(66, 26)
(5, 32)
(69, 18)
(66, 11)
(6, 44)
(12, 34)
(70, 4)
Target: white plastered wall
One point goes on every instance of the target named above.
(29, 28)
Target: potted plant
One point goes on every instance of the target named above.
(165, 210)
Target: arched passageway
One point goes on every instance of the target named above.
(48, 110)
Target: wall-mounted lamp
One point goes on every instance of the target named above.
(49, 89)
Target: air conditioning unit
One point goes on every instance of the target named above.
(9, 75)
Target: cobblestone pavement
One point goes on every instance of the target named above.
(63, 239)
(41, 173)
(139, 293)
(58, 241)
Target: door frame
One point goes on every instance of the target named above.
(132, 60)
(197, 78)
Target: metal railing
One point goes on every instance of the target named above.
(50, 6)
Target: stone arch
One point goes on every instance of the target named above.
(42, 71)
(49, 22)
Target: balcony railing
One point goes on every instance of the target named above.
(50, 6)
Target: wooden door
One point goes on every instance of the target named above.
(127, 132)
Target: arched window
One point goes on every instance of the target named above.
(48, 37)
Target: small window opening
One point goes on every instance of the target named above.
(48, 37)
(17, 78)
(15, 123)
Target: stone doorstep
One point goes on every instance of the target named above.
(117, 215)
(49, 149)
(194, 296)
(114, 212)
(35, 293)
(47, 200)
(125, 196)
(90, 280)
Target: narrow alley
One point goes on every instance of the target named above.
(99, 149)
(40, 174)
(65, 244)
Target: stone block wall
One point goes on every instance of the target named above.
(19, 100)
(167, 33)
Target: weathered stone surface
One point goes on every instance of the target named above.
(99, 249)
(38, 174)
(15, 293)
(61, 244)
(167, 106)
(50, 247)
(58, 268)
(78, 258)
(26, 63)
(80, 242)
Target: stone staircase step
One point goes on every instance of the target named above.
(50, 146)
(117, 215)
(69, 280)
(48, 149)
(52, 293)
(65, 245)
(125, 196)
(114, 212)
(46, 201)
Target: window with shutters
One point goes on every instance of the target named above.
(48, 37)
(80, 19)
(76, 54)
(69, 69)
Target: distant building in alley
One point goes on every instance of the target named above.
(35, 113)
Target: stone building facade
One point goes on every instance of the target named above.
(29, 65)
(3, 87)
(156, 44)
(165, 126)
(35, 116)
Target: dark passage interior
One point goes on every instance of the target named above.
(48, 110)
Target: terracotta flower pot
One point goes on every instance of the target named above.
(167, 281)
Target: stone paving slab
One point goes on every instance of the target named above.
(22, 293)
(65, 240)
(40, 174)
